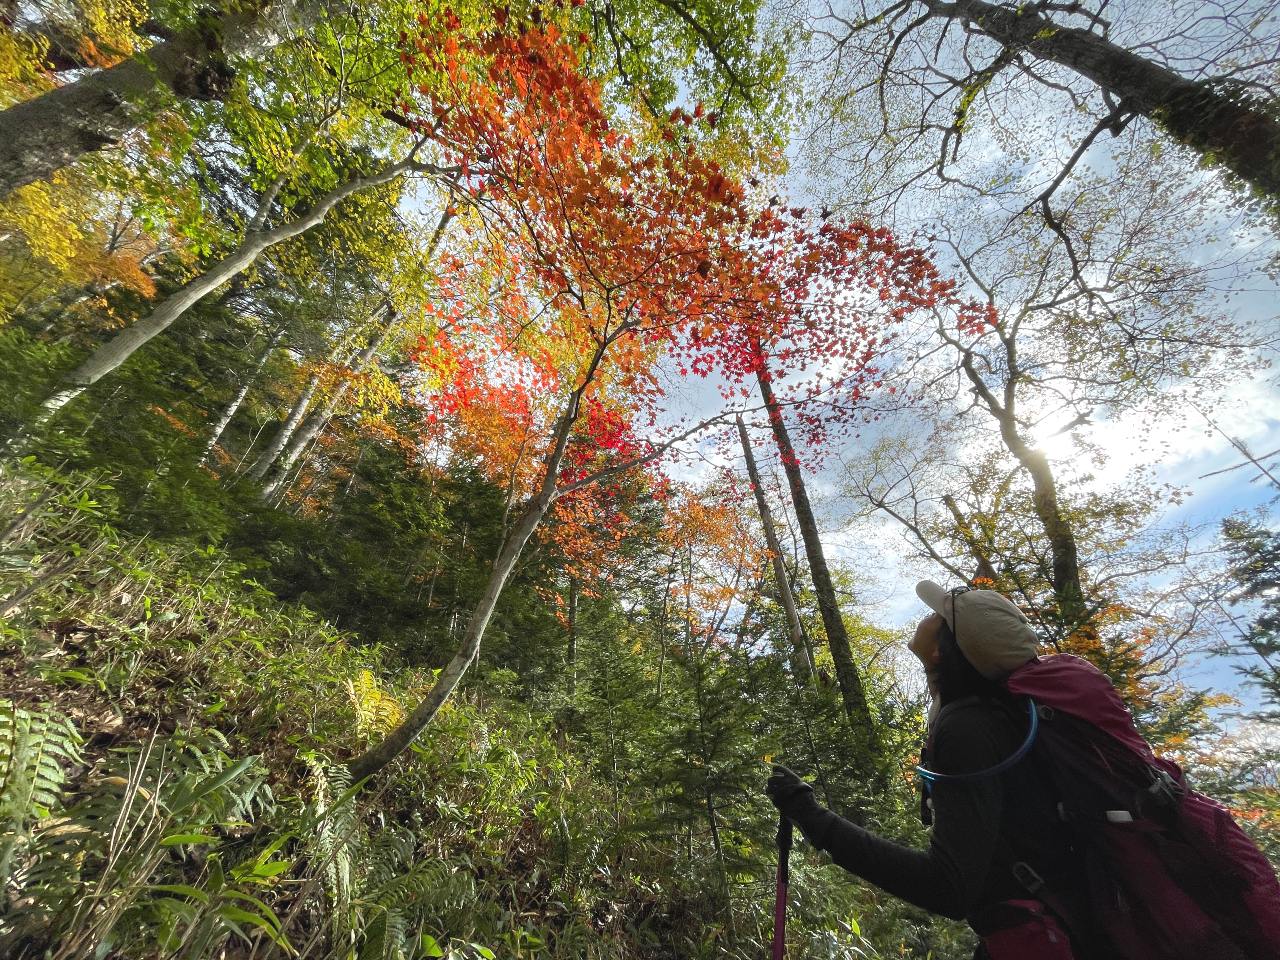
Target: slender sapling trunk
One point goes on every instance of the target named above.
(231, 408)
(847, 674)
(802, 665)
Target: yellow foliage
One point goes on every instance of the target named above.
(21, 58)
(101, 33)
(66, 239)
(376, 712)
(111, 27)
(46, 220)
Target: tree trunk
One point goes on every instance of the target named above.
(1065, 575)
(46, 133)
(258, 469)
(399, 739)
(573, 636)
(1242, 135)
(317, 421)
(847, 675)
(802, 665)
(234, 405)
(292, 440)
(108, 357)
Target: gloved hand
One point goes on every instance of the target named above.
(795, 800)
(784, 787)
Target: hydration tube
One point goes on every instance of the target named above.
(934, 777)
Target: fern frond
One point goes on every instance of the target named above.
(34, 745)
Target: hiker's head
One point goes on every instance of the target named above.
(986, 628)
(924, 643)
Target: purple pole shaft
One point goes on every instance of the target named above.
(784, 878)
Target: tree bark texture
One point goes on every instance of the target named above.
(230, 410)
(1240, 134)
(46, 133)
(108, 357)
(847, 674)
(802, 665)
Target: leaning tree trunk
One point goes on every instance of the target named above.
(1065, 559)
(258, 469)
(53, 130)
(108, 357)
(847, 674)
(289, 452)
(801, 656)
(1241, 134)
(399, 739)
(303, 436)
(230, 410)
(285, 434)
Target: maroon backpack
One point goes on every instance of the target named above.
(1171, 875)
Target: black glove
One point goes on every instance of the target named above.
(795, 800)
(784, 788)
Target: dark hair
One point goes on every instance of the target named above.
(955, 676)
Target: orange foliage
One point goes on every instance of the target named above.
(603, 262)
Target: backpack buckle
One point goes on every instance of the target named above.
(1164, 790)
(1031, 881)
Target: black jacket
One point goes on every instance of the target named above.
(980, 828)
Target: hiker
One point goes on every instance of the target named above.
(1048, 852)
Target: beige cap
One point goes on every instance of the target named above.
(992, 632)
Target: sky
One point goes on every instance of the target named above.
(1185, 452)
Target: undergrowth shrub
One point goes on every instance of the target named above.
(172, 747)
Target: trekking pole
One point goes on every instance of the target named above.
(784, 877)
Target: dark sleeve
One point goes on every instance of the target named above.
(949, 877)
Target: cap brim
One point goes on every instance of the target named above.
(935, 596)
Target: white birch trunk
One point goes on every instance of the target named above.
(108, 357)
(317, 421)
(258, 469)
(230, 410)
(298, 439)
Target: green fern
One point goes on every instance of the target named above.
(117, 867)
(34, 746)
(397, 901)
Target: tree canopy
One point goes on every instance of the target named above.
(450, 450)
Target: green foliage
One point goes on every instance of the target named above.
(208, 804)
(723, 55)
(34, 746)
(1255, 559)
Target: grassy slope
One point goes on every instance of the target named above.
(196, 805)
